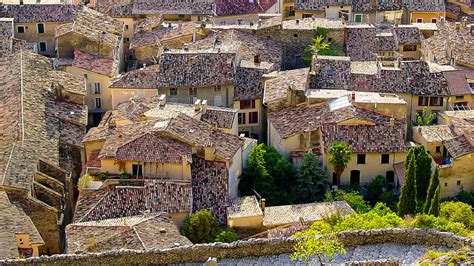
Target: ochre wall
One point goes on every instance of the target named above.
(167, 170)
(31, 35)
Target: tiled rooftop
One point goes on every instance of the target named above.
(435, 133)
(240, 7)
(7, 33)
(358, 35)
(161, 35)
(148, 24)
(94, 63)
(13, 220)
(244, 207)
(176, 7)
(277, 88)
(408, 34)
(458, 146)
(95, 26)
(182, 69)
(312, 23)
(457, 83)
(33, 13)
(115, 8)
(133, 232)
(310, 212)
(425, 5)
(356, 5)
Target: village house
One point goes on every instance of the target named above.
(451, 145)
(141, 232)
(427, 11)
(288, 9)
(44, 119)
(8, 42)
(462, 7)
(36, 23)
(174, 10)
(249, 213)
(461, 88)
(377, 139)
(242, 11)
(91, 47)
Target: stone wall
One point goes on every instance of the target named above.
(240, 249)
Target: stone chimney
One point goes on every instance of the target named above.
(297, 22)
(392, 121)
(163, 100)
(464, 22)
(256, 59)
(457, 25)
(204, 106)
(197, 105)
(353, 96)
(262, 204)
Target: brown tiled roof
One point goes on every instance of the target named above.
(435, 133)
(182, 69)
(310, 212)
(277, 88)
(367, 5)
(407, 34)
(222, 117)
(361, 34)
(248, 83)
(13, 220)
(457, 83)
(201, 134)
(169, 7)
(95, 26)
(115, 8)
(34, 123)
(244, 207)
(161, 35)
(6, 35)
(148, 24)
(241, 7)
(318, 5)
(387, 42)
(458, 146)
(40, 12)
(94, 63)
(150, 147)
(134, 232)
(424, 6)
(128, 200)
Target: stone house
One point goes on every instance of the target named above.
(44, 121)
(431, 11)
(36, 23)
(242, 11)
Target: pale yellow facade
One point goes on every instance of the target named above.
(31, 35)
(413, 107)
(23, 242)
(299, 14)
(250, 222)
(459, 174)
(167, 171)
(426, 17)
(123, 95)
(128, 32)
(246, 119)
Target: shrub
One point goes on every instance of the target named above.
(458, 212)
(200, 227)
(354, 199)
(376, 188)
(103, 175)
(466, 197)
(226, 235)
(85, 181)
(125, 176)
(439, 223)
(379, 217)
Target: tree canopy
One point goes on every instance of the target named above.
(340, 155)
(311, 180)
(407, 202)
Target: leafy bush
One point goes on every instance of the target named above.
(376, 188)
(85, 181)
(103, 176)
(458, 212)
(379, 217)
(466, 197)
(200, 227)
(439, 223)
(226, 235)
(125, 176)
(354, 199)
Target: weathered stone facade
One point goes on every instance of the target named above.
(249, 248)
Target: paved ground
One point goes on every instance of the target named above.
(405, 254)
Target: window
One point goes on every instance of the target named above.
(217, 100)
(355, 177)
(390, 176)
(98, 103)
(419, 20)
(385, 159)
(253, 118)
(422, 101)
(97, 88)
(433, 20)
(241, 118)
(217, 88)
(358, 18)
(295, 35)
(458, 183)
(409, 48)
(307, 15)
(438, 149)
(436, 101)
(20, 29)
(445, 184)
(360, 158)
(192, 91)
(42, 46)
(137, 170)
(335, 179)
(126, 27)
(173, 92)
(248, 104)
(40, 28)
(459, 98)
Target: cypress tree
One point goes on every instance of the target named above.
(407, 202)
(311, 180)
(434, 184)
(423, 173)
(434, 208)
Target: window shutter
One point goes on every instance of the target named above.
(253, 103)
(242, 105)
(91, 88)
(440, 101)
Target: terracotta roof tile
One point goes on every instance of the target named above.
(176, 7)
(240, 7)
(115, 8)
(457, 83)
(244, 207)
(40, 12)
(276, 89)
(162, 35)
(458, 146)
(94, 63)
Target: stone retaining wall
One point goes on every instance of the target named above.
(240, 249)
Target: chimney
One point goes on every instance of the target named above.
(262, 203)
(169, 25)
(464, 22)
(197, 105)
(204, 106)
(457, 25)
(297, 22)
(392, 121)
(256, 59)
(353, 96)
(162, 99)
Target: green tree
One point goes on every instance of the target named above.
(423, 173)
(434, 207)
(200, 227)
(407, 202)
(283, 175)
(376, 188)
(311, 181)
(424, 119)
(458, 212)
(255, 173)
(354, 199)
(340, 155)
(226, 235)
(434, 185)
(318, 44)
